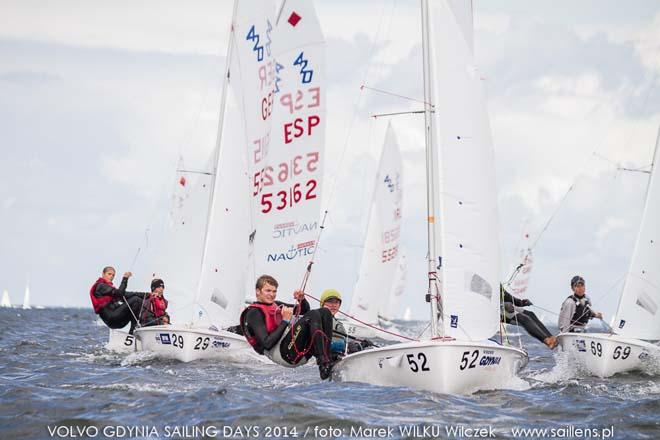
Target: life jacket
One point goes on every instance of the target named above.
(272, 317)
(582, 311)
(158, 304)
(153, 309)
(98, 302)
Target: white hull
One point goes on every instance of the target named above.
(360, 331)
(604, 355)
(121, 342)
(189, 344)
(448, 367)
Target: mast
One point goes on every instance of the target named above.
(218, 141)
(433, 265)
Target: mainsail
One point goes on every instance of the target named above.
(465, 192)
(244, 124)
(286, 168)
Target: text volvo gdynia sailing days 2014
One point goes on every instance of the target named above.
(177, 431)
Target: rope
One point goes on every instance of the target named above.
(334, 180)
(385, 92)
(367, 324)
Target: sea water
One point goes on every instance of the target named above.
(57, 381)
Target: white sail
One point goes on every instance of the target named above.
(465, 194)
(286, 181)
(5, 299)
(462, 231)
(26, 297)
(521, 282)
(392, 307)
(244, 124)
(381, 247)
(638, 315)
(178, 259)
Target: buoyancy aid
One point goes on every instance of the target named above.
(98, 302)
(272, 314)
(582, 311)
(159, 305)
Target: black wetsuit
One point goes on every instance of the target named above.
(116, 314)
(527, 319)
(313, 332)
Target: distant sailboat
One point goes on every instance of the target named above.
(5, 299)
(407, 315)
(26, 297)
(381, 254)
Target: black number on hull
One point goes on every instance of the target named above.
(177, 340)
(617, 352)
(421, 357)
(202, 343)
(466, 359)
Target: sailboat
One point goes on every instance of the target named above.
(5, 299)
(463, 266)
(264, 198)
(380, 258)
(26, 296)
(223, 257)
(637, 319)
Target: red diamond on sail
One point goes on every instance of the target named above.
(294, 19)
(182, 181)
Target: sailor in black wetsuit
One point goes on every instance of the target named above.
(512, 315)
(116, 306)
(266, 326)
(340, 346)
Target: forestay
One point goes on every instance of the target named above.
(465, 194)
(638, 315)
(287, 167)
(381, 247)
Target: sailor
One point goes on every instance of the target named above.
(331, 300)
(155, 305)
(512, 313)
(576, 310)
(267, 326)
(115, 306)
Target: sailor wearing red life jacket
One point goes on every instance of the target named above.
(115, 306)
(265, 324)
(155, 306)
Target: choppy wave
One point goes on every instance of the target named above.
(56, 371)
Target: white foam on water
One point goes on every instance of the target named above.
(564, 369)
(138, 357)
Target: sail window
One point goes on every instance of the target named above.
(645, 301)
(480, 286)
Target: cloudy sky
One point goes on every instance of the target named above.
(100, 98)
